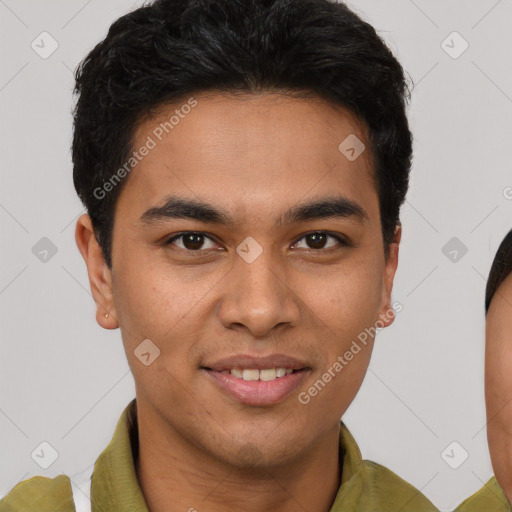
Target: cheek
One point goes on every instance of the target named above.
(498, 391)
(346, 308)
(350, 298)
(151, 296)
(163, 305)
(499, 353)
(498, 374)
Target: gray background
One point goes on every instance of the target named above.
(65, 380)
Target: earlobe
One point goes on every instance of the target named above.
(386, 316)
(106, 320)
(387, 313)
(100, 278)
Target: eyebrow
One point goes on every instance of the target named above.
(176, 207)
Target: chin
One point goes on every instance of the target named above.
(251, 457)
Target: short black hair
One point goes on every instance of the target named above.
(165, 51)
(500, 269)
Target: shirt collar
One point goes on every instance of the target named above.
(114, 482)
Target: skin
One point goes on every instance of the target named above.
(255, 157)
(498, 384)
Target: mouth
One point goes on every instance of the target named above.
(253, 374)
(257, 381)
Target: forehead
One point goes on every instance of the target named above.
(249, 152)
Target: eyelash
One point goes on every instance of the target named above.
(341, 241)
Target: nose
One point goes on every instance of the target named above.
(258, 297)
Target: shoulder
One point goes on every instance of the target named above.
(392, 493)
(490, 498)
(368, 486)
(40, 494)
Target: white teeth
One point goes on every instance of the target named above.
(280, 372)
(268, 374)
(252, 374)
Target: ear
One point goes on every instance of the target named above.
(100, 277)
(387, 314)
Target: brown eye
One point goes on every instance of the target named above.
(190, 241)
(319, 239)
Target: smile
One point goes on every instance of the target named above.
(252, 374)
(257, 387)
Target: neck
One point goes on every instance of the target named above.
(175, 475)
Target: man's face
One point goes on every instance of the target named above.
(498, 383)
(253, 287)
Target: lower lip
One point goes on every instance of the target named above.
(258, 392)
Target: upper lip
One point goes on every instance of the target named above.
(256, 362)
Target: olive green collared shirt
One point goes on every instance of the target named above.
(490, 498)
(365, 485)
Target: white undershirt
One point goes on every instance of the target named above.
(81, 488)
